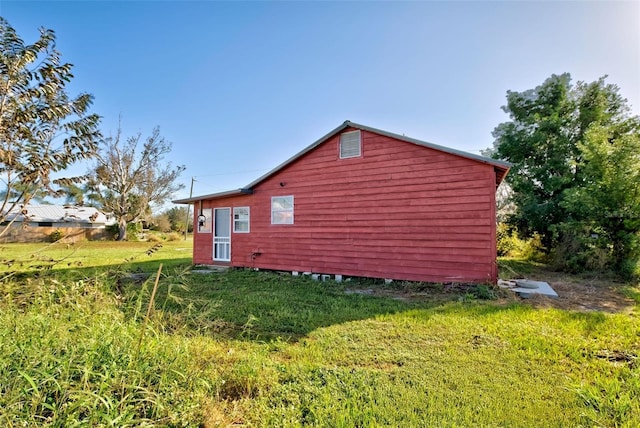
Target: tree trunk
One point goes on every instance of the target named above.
(122, 229)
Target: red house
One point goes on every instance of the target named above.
(360, 202)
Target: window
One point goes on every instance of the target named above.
(350, 146)
(282, 210)
(241, 220)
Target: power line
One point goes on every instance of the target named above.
(231, 172)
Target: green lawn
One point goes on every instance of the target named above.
(89, 255)
(263, 349)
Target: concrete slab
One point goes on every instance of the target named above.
(526, 288)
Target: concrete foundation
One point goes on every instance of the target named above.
(526, 288)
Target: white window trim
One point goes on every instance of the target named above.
(350, 134)
(282, 211)
(248, 220)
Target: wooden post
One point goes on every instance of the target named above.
(186, 225)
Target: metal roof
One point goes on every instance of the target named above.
(243, 191)
(501, 167)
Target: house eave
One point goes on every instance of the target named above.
(194, 199)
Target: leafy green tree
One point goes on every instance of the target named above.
(160, 222)
(129, 177)
(604, 209)
(574, 155)
(74, 194)
(173, 219)
(179, 218)
(43, 130)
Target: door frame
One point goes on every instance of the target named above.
(221, 242)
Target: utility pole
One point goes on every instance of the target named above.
(186, 226)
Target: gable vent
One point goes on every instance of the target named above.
(350, 146)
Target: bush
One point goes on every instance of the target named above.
(112, 230)
(485, 292)
(511, 245)
(159, 237)
(133, 230)
(56, 235)
(154, 237)
(160, 223)
(630, 268)
(582, 249)
(174, 236)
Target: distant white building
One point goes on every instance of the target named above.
(36, 223)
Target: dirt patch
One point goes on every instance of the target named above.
(583, 294)
(575, 294)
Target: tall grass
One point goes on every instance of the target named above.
(261, 349)
(67, 357)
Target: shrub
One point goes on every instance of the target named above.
(510, 244)
(504, 237)
(160, 223)
(485, 292)
(585, 248)
(629, 267)
(154, 237)
(133, 230)
(112, 231)
(174, 236)
(56, 235)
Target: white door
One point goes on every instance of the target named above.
(222, 234)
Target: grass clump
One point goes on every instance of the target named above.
(67, 357)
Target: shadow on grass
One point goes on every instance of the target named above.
(264, 306)
(243, 304)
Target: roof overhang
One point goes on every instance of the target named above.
(501, 173)
(219, 195)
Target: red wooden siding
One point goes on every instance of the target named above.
(400, 211)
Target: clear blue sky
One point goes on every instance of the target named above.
(239, 87)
